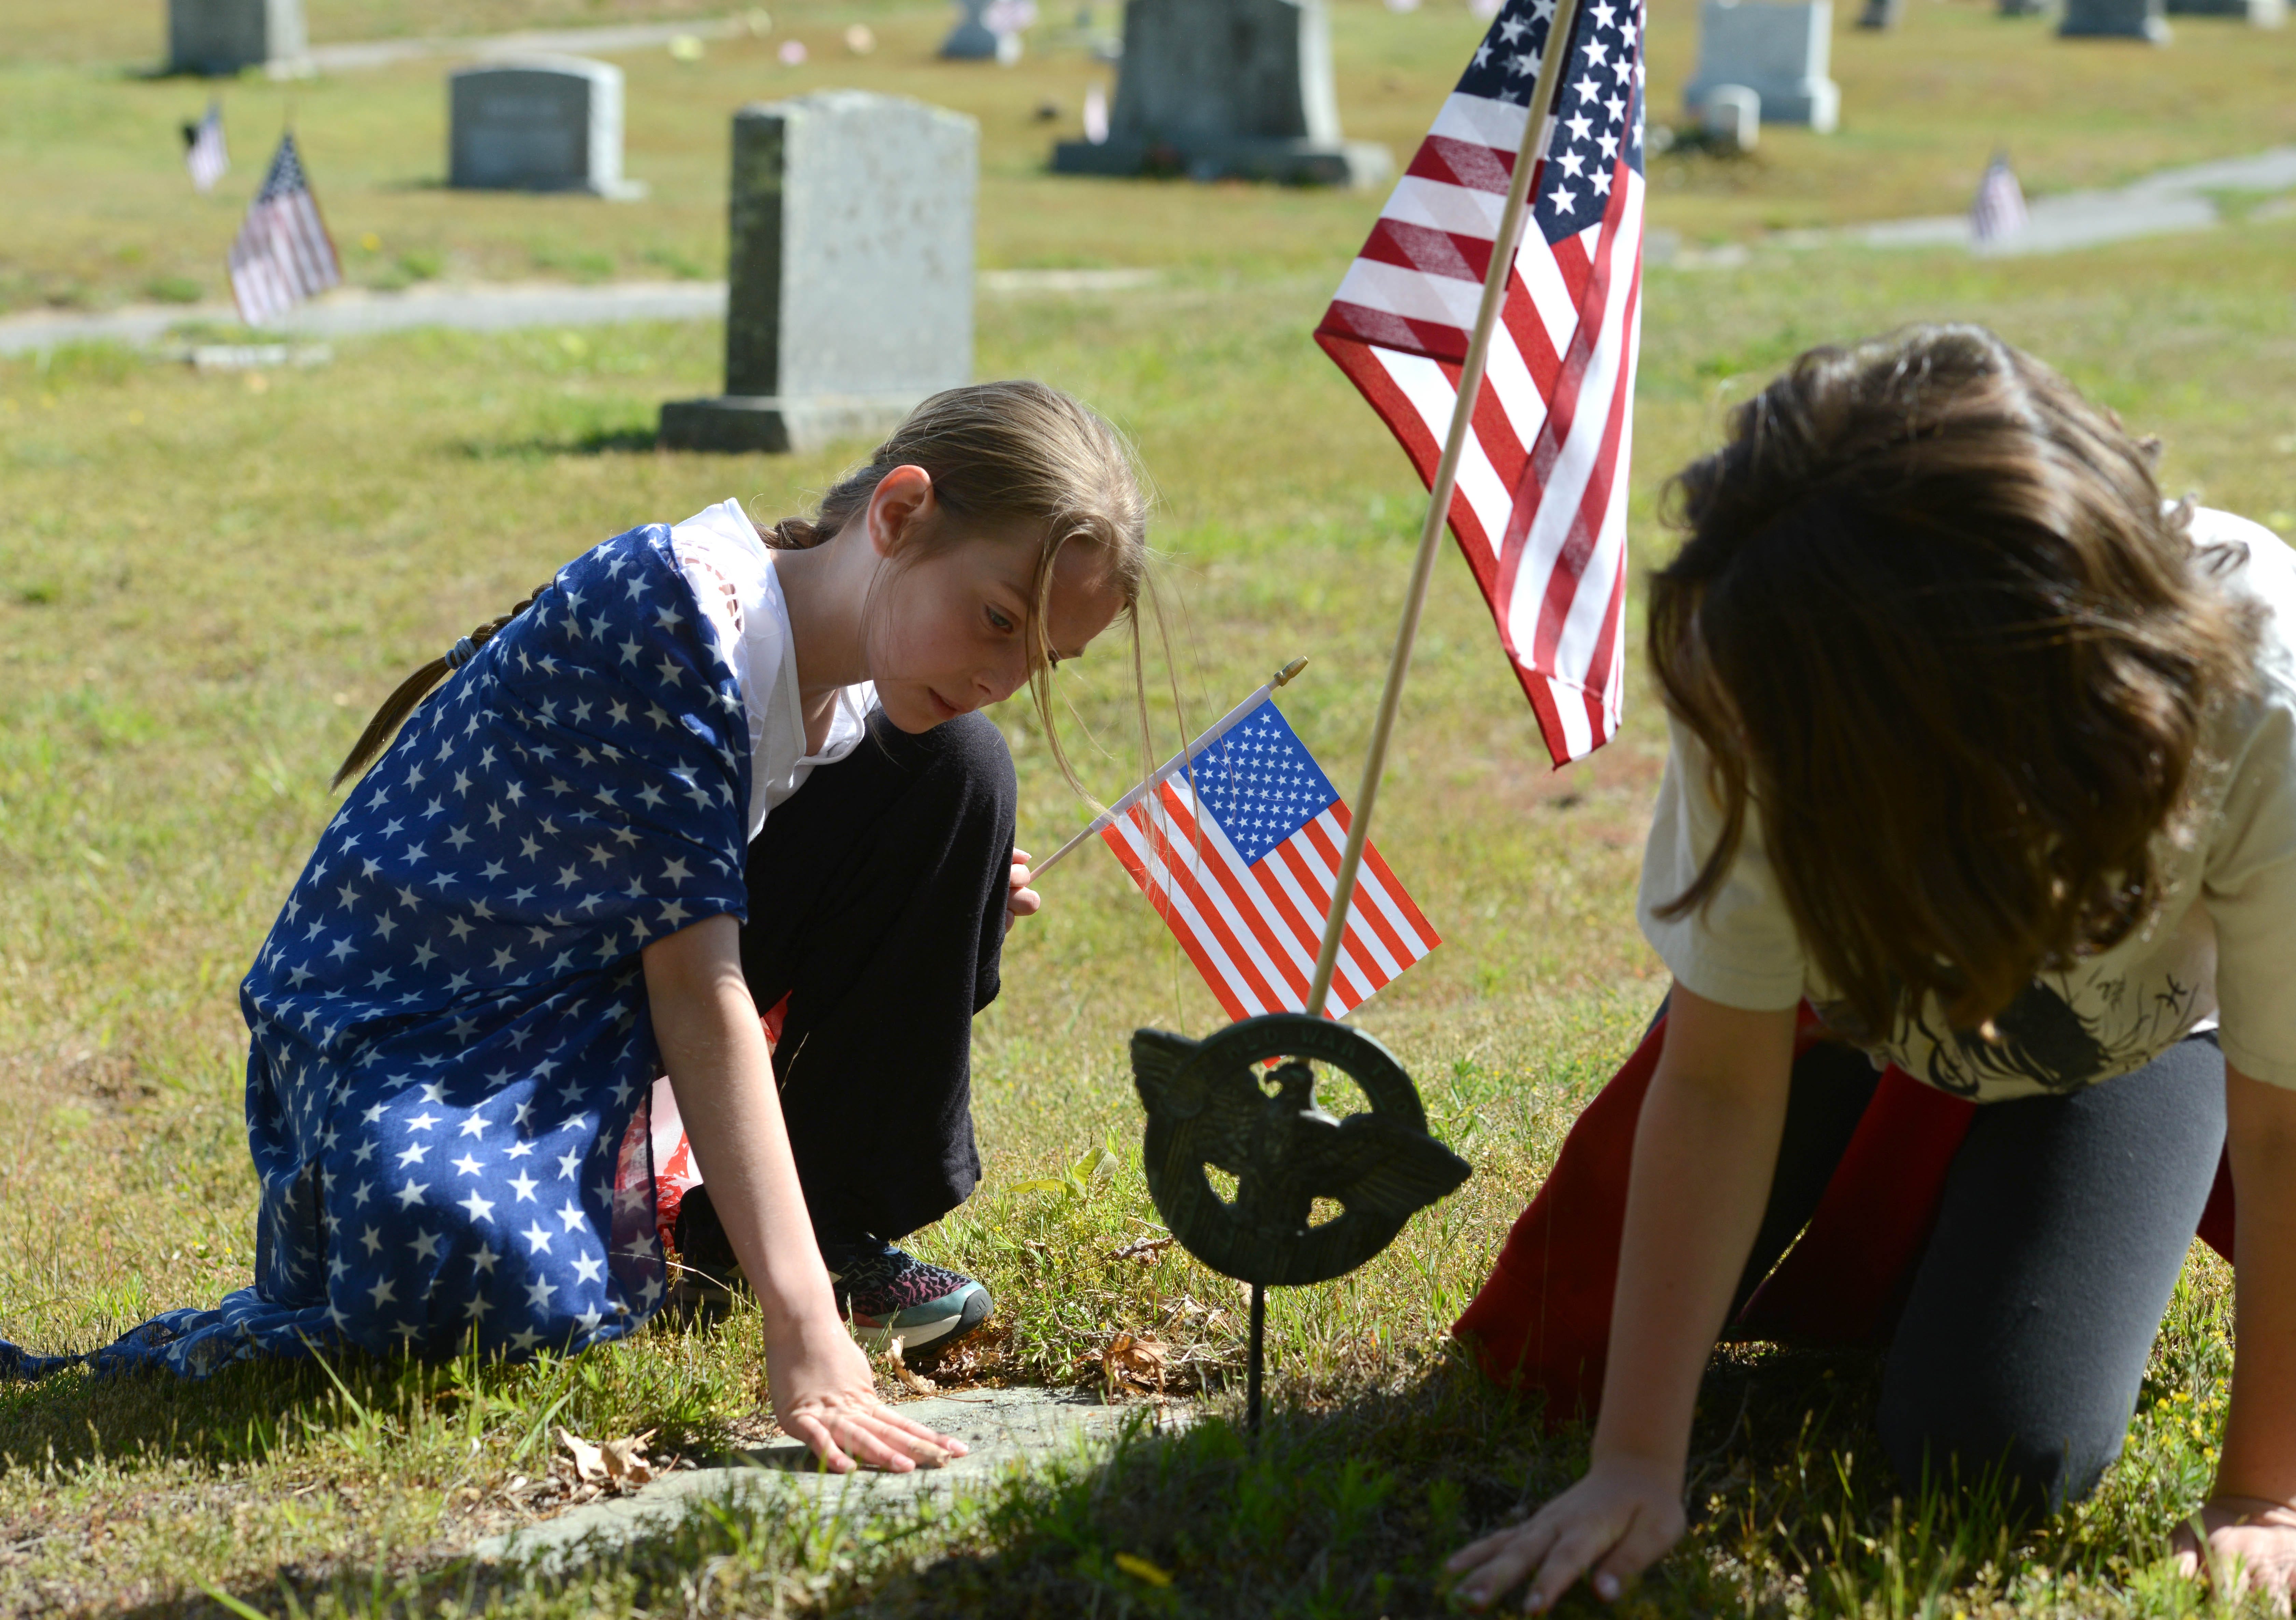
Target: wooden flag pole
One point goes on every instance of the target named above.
(1535, 131)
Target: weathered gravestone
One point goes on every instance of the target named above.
(1732, 117)
(2256, 13)
(1779, 51)
(543, 123)
(849, 267)
(225, 36)
(1227, 88)
(1882, 15)
(2114, 20)
(2021, 8)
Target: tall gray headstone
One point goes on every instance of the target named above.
(850, 267)
(1221, 88)
(225, 36)
(540, 124)
(2114, 20)
(2256, 13)
(1781, 53)
(972, 39)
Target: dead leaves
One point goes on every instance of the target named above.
(586, 1469)
(1144, 1249)
(914, 1382)
(1130, 1361)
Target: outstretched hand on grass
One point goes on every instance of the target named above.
(2251, 1541)
(1610, 1526)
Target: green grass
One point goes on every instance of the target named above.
(206, 579)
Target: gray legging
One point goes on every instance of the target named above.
(2065, 1221)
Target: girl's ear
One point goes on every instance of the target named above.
(900, 506)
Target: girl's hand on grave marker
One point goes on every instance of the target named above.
(1610, 1526)
(1023, 900)
(824, 1393)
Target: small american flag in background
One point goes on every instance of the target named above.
(1540, 509)
(283, 254)
(1999, 210)
(1240, 862)
(204, 153)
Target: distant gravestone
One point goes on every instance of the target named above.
(2256, 13)
(1779, 51)
(972, 39)
(850, 272)
(1733, 116)
(225, 36)
(1882, 15)
(2114, 20)
(2021, 8)
(545, 124)
(1227, 88)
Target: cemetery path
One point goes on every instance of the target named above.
(1000, 1428)
(561, 42)
(2188, 198)
(357, 312)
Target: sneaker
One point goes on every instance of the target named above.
(889, 1293)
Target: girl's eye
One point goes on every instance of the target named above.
(998, 620)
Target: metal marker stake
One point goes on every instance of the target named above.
(1535, 128)
(1252, 1377)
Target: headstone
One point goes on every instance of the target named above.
(971, 39)
(2256, 13)
(1882, 15)
(541, 124)
(2021, 8)
(1733, 118)
(1779, 51)
(1222, 88)
(225, 36)
(2114, 20)
(850, 265)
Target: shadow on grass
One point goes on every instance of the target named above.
(595, 441)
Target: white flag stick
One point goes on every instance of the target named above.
(1212, 734)
(1534, 129)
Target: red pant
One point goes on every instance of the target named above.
(1543, 1321)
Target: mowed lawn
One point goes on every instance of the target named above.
(208, 580)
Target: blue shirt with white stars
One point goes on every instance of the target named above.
(448, 1020)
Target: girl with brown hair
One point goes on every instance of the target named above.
(1984, 759)
(705, 770)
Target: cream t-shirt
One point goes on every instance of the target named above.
(732, 572)
(2220, 947)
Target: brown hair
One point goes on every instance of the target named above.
(1933, 620)
(998, 453)
(1025, 454)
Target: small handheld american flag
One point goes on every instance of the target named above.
(284, 254)
(1540, 503)
(1999, 211)
(1239, 851)
(204, 153)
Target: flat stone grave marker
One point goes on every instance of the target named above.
(538, 124)
(2114, 20)
(1781, 53)
(999, 1427)
(850, 272)
(221, 37)
(1222, 88)
(1732, 117)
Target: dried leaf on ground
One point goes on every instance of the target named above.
(1129, 1359)
(1143, 1248)
(913, 1381)
(621, 1463)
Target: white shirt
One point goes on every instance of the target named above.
(2219, 946)
(732, 572)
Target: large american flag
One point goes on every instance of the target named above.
(1540, 505)
(283, 254)
(1238, 853)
